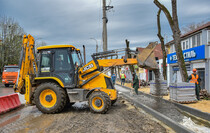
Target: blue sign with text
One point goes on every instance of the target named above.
(196, 53)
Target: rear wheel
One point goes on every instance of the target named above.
(99, 102)
(50, 98)
(6, 85)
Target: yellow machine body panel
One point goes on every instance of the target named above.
(99, 82)
(116, 62)
(89, 67)
(55, 46)
(53, 78)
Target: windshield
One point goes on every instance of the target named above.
(11, 69)
(75, 58)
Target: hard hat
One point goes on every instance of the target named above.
(194, 70)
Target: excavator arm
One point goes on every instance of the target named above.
(28, 68)
(144, 59)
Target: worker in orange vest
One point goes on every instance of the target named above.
(194, 78)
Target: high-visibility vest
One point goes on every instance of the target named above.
(122, 76)
(194, 79)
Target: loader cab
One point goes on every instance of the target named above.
(59, 61)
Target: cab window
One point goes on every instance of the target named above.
(75, 58)
(62, 60)
(45, 61)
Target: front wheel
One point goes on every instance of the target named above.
(50, 98)
(99, 102)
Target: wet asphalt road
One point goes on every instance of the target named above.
(121, 118)
(30, 114)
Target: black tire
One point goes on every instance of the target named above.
(60, 95)
(6, 85)
(105, 100)
(114, 101)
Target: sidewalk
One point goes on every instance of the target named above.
(203, 105)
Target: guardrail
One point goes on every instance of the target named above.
(9, 102)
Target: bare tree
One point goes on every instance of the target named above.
(162, 44)
(192, 27)
(173, 22)
(39, 44)
(11, 35)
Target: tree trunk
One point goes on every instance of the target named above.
(162, 45)
(131, 67)
(176, 35)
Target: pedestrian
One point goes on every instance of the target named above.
(135, 82)
(113, 78)
(122, 77)
(194, 78)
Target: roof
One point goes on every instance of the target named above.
(14, 66)
(157, 51)
(139, 49)
(207, 25)
(55, 46)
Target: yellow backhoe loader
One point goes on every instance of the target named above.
(59, 78)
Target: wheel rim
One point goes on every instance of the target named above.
(48, 98)
(97, 103)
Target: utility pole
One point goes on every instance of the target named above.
(105, 21)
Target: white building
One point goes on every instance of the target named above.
(196, 48)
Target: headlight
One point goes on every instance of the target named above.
(3, 80)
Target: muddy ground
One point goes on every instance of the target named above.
(121, 118)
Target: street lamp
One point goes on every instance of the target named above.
(96, 44)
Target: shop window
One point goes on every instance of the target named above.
(198, 39)
(172, 48)
(209, 37)
(183, 44)
(190, 42)
(187, 45)
(194, 44)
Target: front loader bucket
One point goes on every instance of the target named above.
(146, 58)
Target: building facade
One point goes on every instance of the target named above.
(196, 48)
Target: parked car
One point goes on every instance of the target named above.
(9, 75)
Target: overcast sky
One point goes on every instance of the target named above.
(76, 21)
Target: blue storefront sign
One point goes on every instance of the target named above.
(196, 53)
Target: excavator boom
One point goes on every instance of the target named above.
(27, 66)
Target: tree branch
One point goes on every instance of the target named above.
(165, 10)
